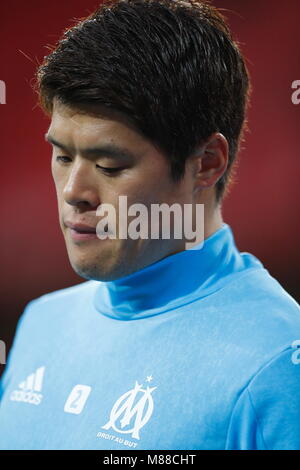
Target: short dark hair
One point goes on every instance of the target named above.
(171, 66)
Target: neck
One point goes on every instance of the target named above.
(214, 218)
(171, 281)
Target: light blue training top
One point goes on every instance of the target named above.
(199, 350)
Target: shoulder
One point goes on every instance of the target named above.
(68, 294)
(266, 414)
(262, 285)
(49, 307)
(257, 317)
(257, 294)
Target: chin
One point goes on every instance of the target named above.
(98, 272)
(89, 271)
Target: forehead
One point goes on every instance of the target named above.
(91, 124)
(84, 130)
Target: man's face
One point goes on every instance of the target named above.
(83, 183)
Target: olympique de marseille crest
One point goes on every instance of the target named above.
(134, 409)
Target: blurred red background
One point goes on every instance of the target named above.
(262, 208)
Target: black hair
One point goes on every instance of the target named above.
(171, 66)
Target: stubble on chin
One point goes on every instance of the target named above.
(108, 265)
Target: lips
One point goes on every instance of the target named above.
(81, 233)
(80, 228)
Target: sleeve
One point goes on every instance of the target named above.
(9, 366)
(266, 415)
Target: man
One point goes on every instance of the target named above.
(163, 346)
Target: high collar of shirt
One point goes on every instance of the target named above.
(172, 281)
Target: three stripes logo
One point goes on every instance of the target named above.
(29, 389)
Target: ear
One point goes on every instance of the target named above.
(210, 161)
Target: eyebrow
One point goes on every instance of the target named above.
(107, 150)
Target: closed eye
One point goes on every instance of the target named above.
(110, 170)
(63, 159)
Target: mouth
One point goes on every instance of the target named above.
(80, 232)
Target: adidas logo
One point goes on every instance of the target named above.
(28, 390)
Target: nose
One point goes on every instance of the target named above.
(81, 186)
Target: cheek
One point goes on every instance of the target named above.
(53, 162)
(54, 172)
(58, 185)
(58, 177)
